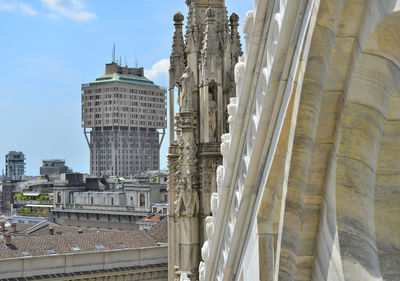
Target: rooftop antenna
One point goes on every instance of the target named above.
(113, 53)
(120, 61)
(136, 62)
(126, 62)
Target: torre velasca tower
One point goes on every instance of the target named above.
(123, 113)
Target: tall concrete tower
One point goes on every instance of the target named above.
(201, 74)
(122, 112)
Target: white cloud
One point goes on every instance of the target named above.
(7, 5)
(73, 9)
(27, 9)
(13, 5)
(158, 69)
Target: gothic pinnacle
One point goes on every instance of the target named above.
(178, 17)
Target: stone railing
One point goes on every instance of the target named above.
(36, 202)
(264, 82)
(85, 262)
(114, 208)
(101, 207)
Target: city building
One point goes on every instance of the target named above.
(48, 251)
(53, 168)
(7, 197)
(308, 186)
(122, 113)
(33, 203)
(15, 165)
(12, 194)
(117, 202)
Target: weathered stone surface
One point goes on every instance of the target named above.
(313, 191)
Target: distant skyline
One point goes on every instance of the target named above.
(50, 47)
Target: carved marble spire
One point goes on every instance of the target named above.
(202, 67)
(236, 45)
(209, 43)
(177, 58)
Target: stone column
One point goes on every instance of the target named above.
(187, 204)
(171, 116)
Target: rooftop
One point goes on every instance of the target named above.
(124, 78)
(154, 218)
(66, 239)
(159, 232)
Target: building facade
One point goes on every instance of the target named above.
(309, 186)
(122, 113)
(15, 165)
(53, 168)
(119, 205)
(7, 197)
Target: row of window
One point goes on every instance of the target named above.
(137, 162)
(122, 90)
(124, 122)
(134, 109)
(124, 115)
(143, 104)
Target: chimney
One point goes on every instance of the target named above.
(80, 231)
(7, 238)
(51, 230)
(13, 227)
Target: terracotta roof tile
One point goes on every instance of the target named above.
(159, 232)
(86, 242)
(153, 218)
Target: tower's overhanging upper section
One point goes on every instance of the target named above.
(123, 98)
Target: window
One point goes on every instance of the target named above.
(99, 246)
(51, 251)
(25, 253)
(122, 245)
(75, 248)
(142, 200)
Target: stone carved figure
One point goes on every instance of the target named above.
(212, 116)
(188, 203)
(187, 83)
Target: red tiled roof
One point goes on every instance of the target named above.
(159, 232)
(153, 218)
(86, 242)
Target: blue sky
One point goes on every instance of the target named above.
(50, 47)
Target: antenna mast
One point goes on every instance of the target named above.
(113, 53)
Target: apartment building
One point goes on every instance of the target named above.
(15, 165)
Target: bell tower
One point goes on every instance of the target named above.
(201, 75)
